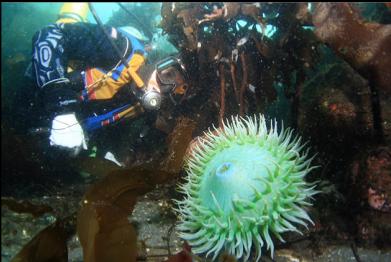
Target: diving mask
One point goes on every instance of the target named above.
(172, 78)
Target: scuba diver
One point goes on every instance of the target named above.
(90, 76)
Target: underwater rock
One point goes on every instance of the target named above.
(374, 228)
(21, 163)
(25, 206)
(365, 46)
(335, 112)
(339, 109)
(231, 10)
(385, 105)
(245, 183)
(372, 177)
(332, 252)
(371, 193)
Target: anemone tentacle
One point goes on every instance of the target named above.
(245, 183)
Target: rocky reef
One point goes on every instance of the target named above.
(322, 68)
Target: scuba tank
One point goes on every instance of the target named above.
(69, 13)
(73, 13)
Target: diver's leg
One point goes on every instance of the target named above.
(50, 64)
(49, 59)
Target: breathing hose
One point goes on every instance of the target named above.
(97, 19)
(145, 29)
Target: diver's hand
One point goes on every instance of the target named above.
(66, 132)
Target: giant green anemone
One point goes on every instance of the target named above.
(245, 183)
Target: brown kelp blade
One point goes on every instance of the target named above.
(178, 141)
(103, 227)
(97, 167)
(102, 224)
(106, 234)
(50, 244)
(183, 256)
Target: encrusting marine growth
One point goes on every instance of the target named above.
(244, 184)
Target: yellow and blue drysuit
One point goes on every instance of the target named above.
(103, 76)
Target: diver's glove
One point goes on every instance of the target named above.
(67, 133)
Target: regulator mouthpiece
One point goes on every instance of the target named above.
(151, 100)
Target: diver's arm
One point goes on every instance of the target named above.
(63, 107)
(59, 98)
